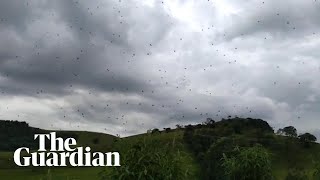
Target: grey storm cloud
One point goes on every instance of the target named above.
(123, 67)
(276, 19)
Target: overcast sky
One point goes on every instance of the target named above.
(125, 66)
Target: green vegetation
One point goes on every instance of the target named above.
(145, 160)
(288, 131)
(229, 149)
(248, 163)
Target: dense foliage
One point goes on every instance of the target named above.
(307, 137)
(288, 131)
(214, 141)
(144, 161)
(248, 163)
(15, 134)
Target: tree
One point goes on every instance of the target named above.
(198, 126)
(167, 129)
(209, 122)
(178, 126)
(307, 139)
(288, 131)
(155, 130)
(189, 127)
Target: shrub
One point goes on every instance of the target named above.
(251, 163)
(144, 161)
(212, 160)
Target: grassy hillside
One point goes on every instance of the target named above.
(15, 134)
(193, 144)
(98, 142)
(287, 153)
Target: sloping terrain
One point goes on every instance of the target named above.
(192, 142)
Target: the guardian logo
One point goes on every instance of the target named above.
(61, 154)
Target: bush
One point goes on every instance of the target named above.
(143, 161)
(251, 163)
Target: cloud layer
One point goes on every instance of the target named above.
(122, 67)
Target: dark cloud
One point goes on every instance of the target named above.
(123, 67)
(281, 20)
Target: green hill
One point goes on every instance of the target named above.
(200, 149)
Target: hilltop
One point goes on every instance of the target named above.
(197, 146)
(19, 134)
